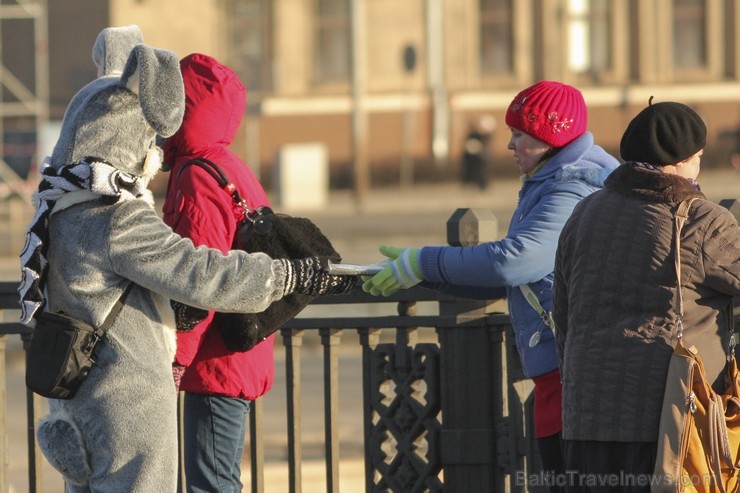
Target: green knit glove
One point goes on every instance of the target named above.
(402, 272)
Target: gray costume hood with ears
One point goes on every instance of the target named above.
(118, 137)
(112, 120)
(116, 119)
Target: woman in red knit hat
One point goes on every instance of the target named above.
(560, 165)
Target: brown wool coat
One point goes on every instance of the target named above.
(615, 294)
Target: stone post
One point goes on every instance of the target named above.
(472, 362)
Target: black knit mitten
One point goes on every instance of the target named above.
(309, 276)
(186, 316)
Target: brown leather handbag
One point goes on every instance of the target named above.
(699, 435)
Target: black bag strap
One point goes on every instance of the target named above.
(254, 216)
(113, 313)
(218, 175)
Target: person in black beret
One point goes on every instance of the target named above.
(614, 297)
(663, 134)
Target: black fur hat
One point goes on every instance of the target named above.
(663, 133)
(279, 236)
(286, 237)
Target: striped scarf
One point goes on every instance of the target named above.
(96, 176)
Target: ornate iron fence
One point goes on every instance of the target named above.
(445, 405)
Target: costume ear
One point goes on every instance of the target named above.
(154, 75)
(113, 46)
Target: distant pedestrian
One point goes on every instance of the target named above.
(476, 157)
(615, 298)
(560, 165)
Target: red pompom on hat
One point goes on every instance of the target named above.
(552, 112)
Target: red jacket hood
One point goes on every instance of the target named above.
(215, 101)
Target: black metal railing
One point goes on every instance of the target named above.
(445, 406)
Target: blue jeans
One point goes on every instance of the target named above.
(214, 429)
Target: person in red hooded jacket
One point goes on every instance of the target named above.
(218, 383)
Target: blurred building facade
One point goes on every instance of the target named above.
(388, 85)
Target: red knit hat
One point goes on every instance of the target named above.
(552, 112)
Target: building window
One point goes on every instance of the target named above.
(332, 41)
(496, 37)
(252, 35)
(689, 34)
(589, 34)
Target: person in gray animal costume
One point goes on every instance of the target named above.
(94, 233)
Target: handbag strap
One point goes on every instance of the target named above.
(114, 312)
(218, 174)
(682, 214)
(546, 316)
(254, 216)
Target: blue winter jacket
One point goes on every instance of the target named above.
(527, 254)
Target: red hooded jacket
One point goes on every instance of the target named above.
(196, 207)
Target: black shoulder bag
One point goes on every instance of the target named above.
(62, 351)
(279, 236)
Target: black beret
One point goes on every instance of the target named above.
(663, 133)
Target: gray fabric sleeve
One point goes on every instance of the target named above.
(144, 249)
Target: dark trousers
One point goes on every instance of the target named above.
(551, 457)
(608, 467)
